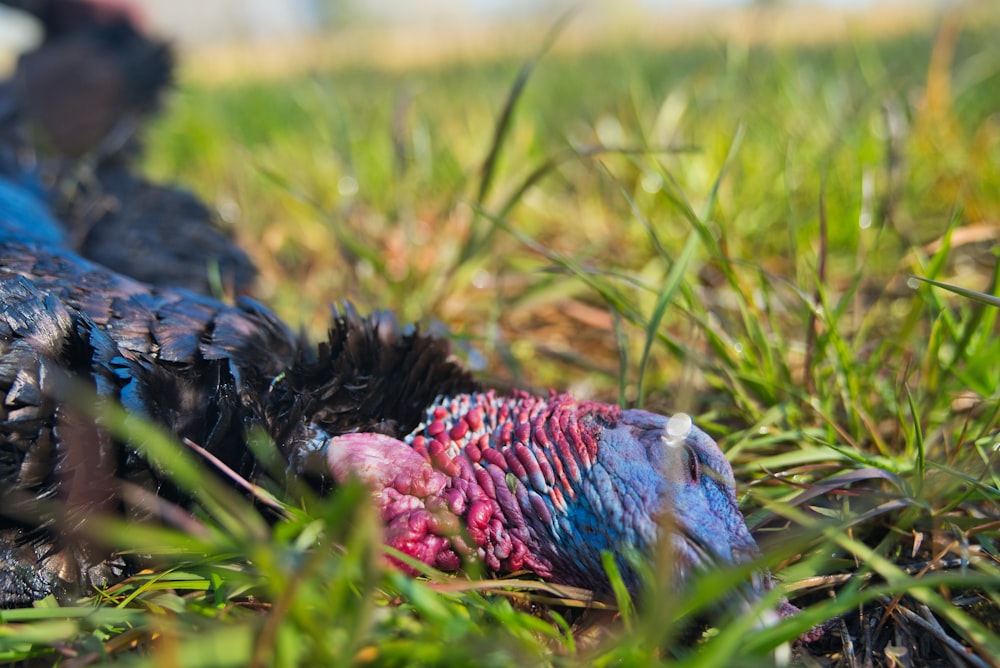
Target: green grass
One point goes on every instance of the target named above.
(721, 229)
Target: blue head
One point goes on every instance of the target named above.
(649, 478)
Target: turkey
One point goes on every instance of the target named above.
(458, 473)
(514, 481)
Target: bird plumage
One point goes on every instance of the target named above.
(204, 370)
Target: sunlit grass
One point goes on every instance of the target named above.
(721, 229)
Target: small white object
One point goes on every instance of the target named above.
(678, 427)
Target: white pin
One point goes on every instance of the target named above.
(678, 427)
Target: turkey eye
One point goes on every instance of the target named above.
(692, 463)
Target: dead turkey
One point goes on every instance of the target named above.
(514, 481)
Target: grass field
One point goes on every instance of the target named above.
(725, 228)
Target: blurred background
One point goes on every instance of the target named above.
(456, 26)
